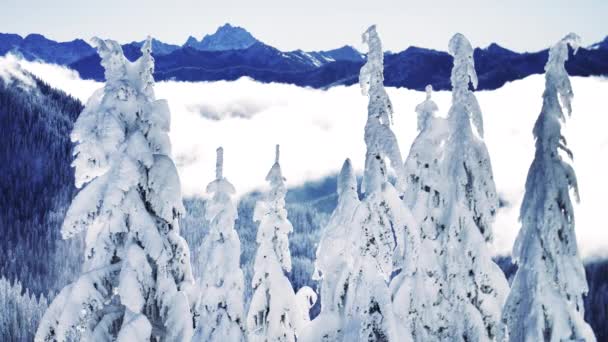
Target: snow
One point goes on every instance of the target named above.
(136, 265)
(334, 260)
(221, 302)
(546, 299)
(276, 312)
(417, 296)
(473, 284)
(243, 108)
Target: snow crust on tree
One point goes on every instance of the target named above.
(136, 273)
(334, 262)
(380, 236)
(379, 138)
(220, 305)
(275, 312)
(473, 284)
(546, 298)
(419, 296)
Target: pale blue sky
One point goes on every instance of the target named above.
(315, 24)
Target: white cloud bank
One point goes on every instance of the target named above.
(318, 129)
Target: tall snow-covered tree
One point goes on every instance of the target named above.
(136, 273)
(221, 284)
(418, 296)
(546, 298)
(473, 283)
(275, 312)
(334, 261)
(381, 221)
(379, 138)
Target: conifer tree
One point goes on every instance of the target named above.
(381, 220)
(546, 299)
(136, 274)
(275, 313)
(221, 284)
(334, 262)
(419, 296)
(473, 283)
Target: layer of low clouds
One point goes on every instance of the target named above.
(318, 129)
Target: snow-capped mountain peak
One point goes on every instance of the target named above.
(227, 37)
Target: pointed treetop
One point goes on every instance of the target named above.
(429, 91)
(146, 67)
(371, 79)
(465, 108)
(426, 109)
(347, 180)
(464, 66)
(371, 38)
(374, 67)
(558, 54)
(219, 163)
(146, 47)
(277, 153)
(275, 175)
(555, 71)
(112, 59)
(220, 186)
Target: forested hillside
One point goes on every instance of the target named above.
(36, 183)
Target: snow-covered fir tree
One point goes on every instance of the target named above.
(419, 296)
(334, 261)
(221, 285)
(473, 283)
(381, 221)
(546, 298)
(379, 138)
(275, 312)
(136, 273)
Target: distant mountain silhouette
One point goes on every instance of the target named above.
(232, 52)
(38, 47)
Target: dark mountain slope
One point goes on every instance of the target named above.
(37, 180)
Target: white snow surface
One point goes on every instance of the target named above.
(319, 129)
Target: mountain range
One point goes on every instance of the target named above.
(232, 52)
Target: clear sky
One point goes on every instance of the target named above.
(315, 24)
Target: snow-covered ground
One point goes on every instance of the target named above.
(318, 129)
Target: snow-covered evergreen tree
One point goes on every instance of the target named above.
(418, 297)
(334, 261)
(546, 299)
(473, 283)
(379, 139)
(275, 313)
(221, 285)
(381, 221)
(136, 271)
